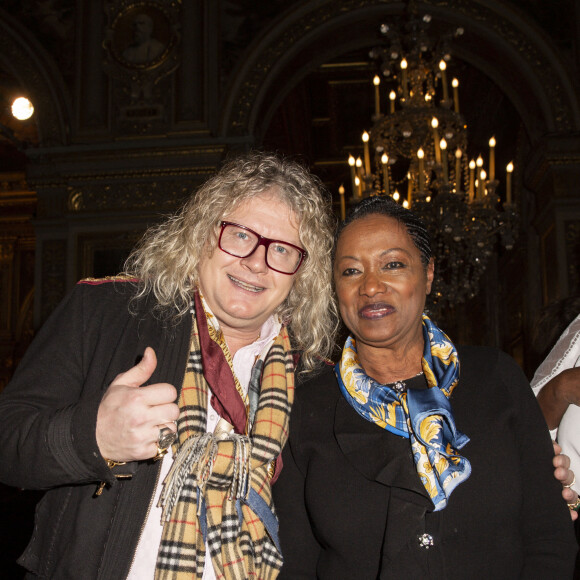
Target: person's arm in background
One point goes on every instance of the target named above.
(547, 531)
(566, 477)
(556, 384)
(557, 394)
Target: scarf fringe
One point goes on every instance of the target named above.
(195, 460)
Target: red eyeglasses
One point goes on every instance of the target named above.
(240, 241)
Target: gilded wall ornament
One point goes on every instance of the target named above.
(141, 42)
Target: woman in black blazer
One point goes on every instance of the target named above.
(411, 458)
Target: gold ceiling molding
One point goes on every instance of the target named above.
(154, 195)
(138, 189)
(6, 250)
(143, 152)
(15, 189)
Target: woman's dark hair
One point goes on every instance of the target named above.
(384, 205)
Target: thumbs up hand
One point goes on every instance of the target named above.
(130, 416)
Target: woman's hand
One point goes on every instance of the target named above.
(565, 476)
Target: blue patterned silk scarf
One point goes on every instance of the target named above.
(424, 416)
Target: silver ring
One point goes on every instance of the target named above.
(164, 441)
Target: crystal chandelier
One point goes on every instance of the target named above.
(417, 152)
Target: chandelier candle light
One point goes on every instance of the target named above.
(420, 146)
(440, 163)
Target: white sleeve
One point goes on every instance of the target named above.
(569, 440)
(564, 355)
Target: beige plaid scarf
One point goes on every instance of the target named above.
(218, 489)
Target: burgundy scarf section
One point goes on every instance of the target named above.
(225, 398)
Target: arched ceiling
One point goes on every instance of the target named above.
(505, 45)
(304, 88)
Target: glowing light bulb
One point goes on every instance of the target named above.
(22, 108)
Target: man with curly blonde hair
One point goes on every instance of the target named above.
(153, 406)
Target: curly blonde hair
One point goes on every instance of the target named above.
(167, 258)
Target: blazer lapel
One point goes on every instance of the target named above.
(377, 454)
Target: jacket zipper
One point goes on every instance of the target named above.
(146, 517)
